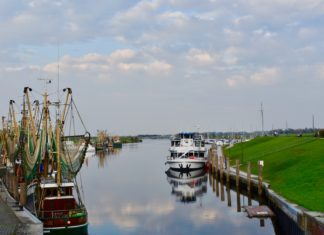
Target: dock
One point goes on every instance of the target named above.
(14, 219)
(259, 211)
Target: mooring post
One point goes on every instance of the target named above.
(213, 164)
(249, 183)
(213, 183)
(15, 187)
(222, 191)
(238, 199)
(260, 163)
(221, 168)
(11, 183)
(237, 173)
(6, 178)
(229, 199)
(216, 165)
(23, 195)
(217, 186)
(249, 177)
(228, 165)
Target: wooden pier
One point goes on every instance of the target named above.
(259, 211)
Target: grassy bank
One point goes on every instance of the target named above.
(294, 166)
(130, 139)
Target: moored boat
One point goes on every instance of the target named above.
(187, 152)
(50, 162)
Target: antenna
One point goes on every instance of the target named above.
(313, 124)
(58, 78)
(46, 81)
(262, 119)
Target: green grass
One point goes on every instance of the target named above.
(130, 139)
(294, 166)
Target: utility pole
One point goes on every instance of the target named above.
(262, 119)
(313, 124)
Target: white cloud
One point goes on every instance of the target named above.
(99, 66)
(200, 57)
(320, 71)
(177, 18)
(205, 216)
(266, 76)
(235, 81)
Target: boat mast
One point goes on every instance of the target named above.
(13, 116)
(46, 133)
(32, 123)
(69, 90)
(58, 154)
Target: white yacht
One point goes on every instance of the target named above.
(187, 152)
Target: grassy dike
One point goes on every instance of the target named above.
(294, 166)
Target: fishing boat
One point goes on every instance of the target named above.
(187, 152)
(49, 162)
(116, 142)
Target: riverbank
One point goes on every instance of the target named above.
(293, 166)
(130, 139)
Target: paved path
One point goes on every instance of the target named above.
(14, 221)
(9, 222)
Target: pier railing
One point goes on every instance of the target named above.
(61, 214)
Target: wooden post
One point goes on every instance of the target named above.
(15, 187)
(221, 169)
(11, 183)
(237, 173)
(260, 163)
(238, 199)
(228, 171)
(7, 178)
(249, 177)
(229, 199)
(216, 165)
(213, 164)
(249, 184)
(222, 191)
(217, 186)
(23, 194)
(210, 178)
(210, 158)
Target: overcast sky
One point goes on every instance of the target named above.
(140, 67)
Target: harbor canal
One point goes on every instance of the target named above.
(129, 192)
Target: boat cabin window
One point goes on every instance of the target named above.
(50, 192)
(186, 136)
(173, 154)
(175, 143)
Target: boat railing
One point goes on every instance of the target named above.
(61, 214)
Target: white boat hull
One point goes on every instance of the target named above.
(186, 164)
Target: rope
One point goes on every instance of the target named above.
(79, 115)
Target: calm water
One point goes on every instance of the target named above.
(128, 192)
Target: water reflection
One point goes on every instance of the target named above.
(130, 194)
(187, 186)
(103, 156)
(240, 197)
